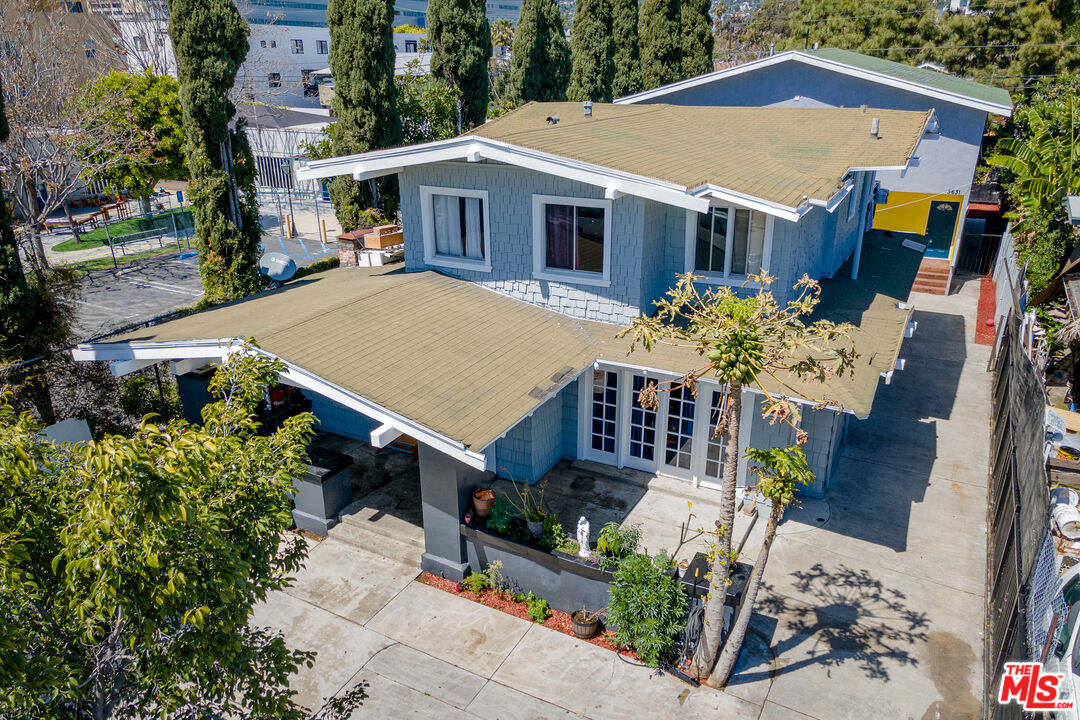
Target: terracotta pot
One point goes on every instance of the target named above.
(483, 499)
(583, 629)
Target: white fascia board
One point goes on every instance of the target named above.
(749, 201)
(835, 66)
(799, 400)
(834, 202)
(383, 162)
(293, 374)
(120, 368)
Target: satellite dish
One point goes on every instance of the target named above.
(277, 266)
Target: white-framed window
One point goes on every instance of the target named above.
(322, 47)
(273, 80)
(297, 47)
(728, 243)
(572, 239)
(457, 229)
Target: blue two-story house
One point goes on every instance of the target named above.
(928, 199)
(530, 243)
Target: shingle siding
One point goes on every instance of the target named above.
(336, 418)
(510, 206)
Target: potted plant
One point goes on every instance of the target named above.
(483, 500)
(585, 622)
(534, 519)
(532, 505)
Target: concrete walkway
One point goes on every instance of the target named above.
(873, 605)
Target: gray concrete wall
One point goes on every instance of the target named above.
(445, 489)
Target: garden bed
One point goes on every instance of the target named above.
(502, 601)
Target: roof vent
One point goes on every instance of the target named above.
(587, 107)
(874, 126)
(552, 119)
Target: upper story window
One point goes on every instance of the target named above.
(410, 46)
(730, 243)
(456, 228)
(262, 43)
(273, 43)
(297, 47)
(140, 43)
(273, 80)
(322, 47)
(572, 239)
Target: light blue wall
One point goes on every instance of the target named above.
(535, 444)
(945, 162)
(336, 418)
(510, 202)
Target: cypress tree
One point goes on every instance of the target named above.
(697, 38)
(365, 98)
(461, 47)
(624, 26)
(17, 302)
(540, 63)
(592, 52)
(210, 42)
(660, 32)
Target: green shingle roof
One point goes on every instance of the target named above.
(922, 76)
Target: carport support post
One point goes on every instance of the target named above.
(445, 487)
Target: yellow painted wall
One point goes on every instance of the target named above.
(904, 212)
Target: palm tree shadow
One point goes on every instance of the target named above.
(849, 616)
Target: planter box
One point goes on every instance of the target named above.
(323, 491)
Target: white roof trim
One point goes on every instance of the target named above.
(834, 202)
(294, 374)
(470, 147)
(817, 61)
(769, 208)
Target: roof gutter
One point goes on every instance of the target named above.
(754, 203)
(474, 148)
(220, 350)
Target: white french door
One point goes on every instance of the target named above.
(674, 439)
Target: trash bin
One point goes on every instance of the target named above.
(323, 491)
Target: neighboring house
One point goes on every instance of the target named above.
(530, 243)
(278, 136)
(927, 198)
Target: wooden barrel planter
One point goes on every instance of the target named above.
(584, 624)
(483, 500)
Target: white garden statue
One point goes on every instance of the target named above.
(583, 536)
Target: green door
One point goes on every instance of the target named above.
(940, 227)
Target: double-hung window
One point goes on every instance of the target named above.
(322, 47)
(456, 228)
(297, 47)
(572, 239)
(731, 243)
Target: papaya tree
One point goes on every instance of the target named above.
(744, 342)
(780, 472)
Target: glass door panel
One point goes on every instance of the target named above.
(602, 433)
(641, 438)
(714, 446)
(679, 431)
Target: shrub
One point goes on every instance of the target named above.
(538, 608)
(553, 536)
(140, 395)
(646, 606)
(518, 597)
(476, 583)
(327, 263)
(615, 543)
(502, 515)
(495, 576)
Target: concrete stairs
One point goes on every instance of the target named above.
(372, 530)
(933, 277)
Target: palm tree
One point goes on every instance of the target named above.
(749, 342)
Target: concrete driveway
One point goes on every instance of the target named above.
(873, 605)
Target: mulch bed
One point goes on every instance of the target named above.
(984, 334)
(559, 620)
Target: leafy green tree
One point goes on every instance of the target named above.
(697, 38)
(540, 64)
(16, 296)
(748, 342)
(660, 34)
(780, 472)
(129, 567)
(502, 33)
(861, 24)
(624, 25)
(592, 52)
(1044, 165)
(210, 42)
(461, 46)
(152, 104)
(428, 106)
(365, 98)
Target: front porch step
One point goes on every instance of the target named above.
(356, 535)
(382, 523)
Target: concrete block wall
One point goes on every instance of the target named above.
(510, 208)
(336, 418)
